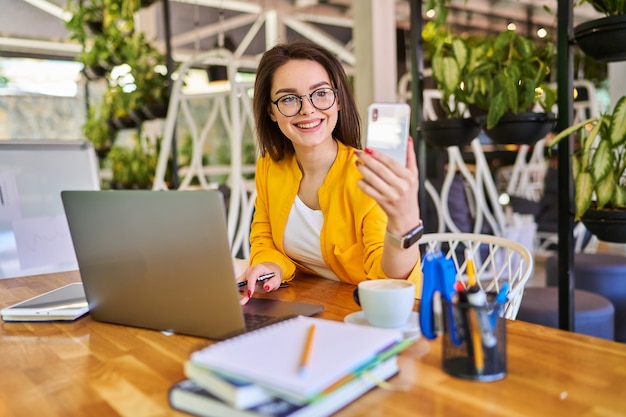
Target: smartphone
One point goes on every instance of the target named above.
(388, 129)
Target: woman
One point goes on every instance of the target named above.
(323, 205)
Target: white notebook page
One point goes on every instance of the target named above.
(271, 356)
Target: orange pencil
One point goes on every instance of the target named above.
(306, 353)
(479, 359)
(471, 272)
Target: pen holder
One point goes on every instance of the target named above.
(474, 341)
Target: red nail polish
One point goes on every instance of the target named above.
(369, 151)
(249, 293)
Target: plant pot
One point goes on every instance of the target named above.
(94, 72)
(102, 153)
(123, 122)
(442, 133)
(521, 129)
(155, 110)
(603, 39)
(138, 115)
(95, 26)
(607, 224)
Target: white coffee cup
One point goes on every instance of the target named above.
(386, 302)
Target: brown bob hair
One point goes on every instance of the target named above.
(270, 137)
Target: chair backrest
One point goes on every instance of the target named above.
(496, 260)
(230, 106)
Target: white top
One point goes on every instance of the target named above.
(302, 238)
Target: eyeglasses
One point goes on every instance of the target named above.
(291, 104)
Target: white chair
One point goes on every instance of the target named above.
(231, 104)
(497, 260)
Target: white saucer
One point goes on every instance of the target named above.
(411, 330)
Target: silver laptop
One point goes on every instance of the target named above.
(161, 260)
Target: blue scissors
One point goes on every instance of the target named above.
(439, 275)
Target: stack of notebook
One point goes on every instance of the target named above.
(300, 367)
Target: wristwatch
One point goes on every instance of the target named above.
(408, 239)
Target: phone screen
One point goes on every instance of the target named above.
(388, 129)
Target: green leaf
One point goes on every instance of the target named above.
(619, 197)
(523, 46)
(605, 190)
(618, 123)
(589, 139)
(584, 191)
(461, 53)
(451, 74)
(568, 131)
(501, 45)
(508, 81)
(602, 161)
(527, 96)
(437, 66)
(496, 110)
(549, 98)
(575, 166)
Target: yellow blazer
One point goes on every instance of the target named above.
(354, 224)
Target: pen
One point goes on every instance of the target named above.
(437, 313)
(503, 293)
(261, 278)
(306, 352)
(477, 300)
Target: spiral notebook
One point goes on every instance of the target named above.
(339, 351)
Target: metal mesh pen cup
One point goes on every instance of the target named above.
(474, 341)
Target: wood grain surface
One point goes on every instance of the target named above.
(88, 368)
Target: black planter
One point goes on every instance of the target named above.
(442, 133)
(94, 72)
(603, 39)
(123, 122)
(608, 225)
(155, 110)
(95, 26)
(521, 129)
(138, 115)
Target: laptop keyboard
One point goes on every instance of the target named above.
(256, 320)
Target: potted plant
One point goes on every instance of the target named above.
(598, 168)
(453, 59)
(508, 83)
(97, 130)
(604, 39)
(132, 166)
(87, 15)
(147, 67)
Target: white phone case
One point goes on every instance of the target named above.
(388, 129)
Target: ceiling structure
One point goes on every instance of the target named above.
(36, 28)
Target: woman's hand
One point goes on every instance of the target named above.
(393, 186)
(252, 274)
(395, 189)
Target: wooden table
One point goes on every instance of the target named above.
(87, 368)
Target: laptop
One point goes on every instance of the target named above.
(161, 260)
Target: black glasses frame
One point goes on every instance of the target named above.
(310, 96)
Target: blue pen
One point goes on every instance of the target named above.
(500, 299)
(503, 293)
